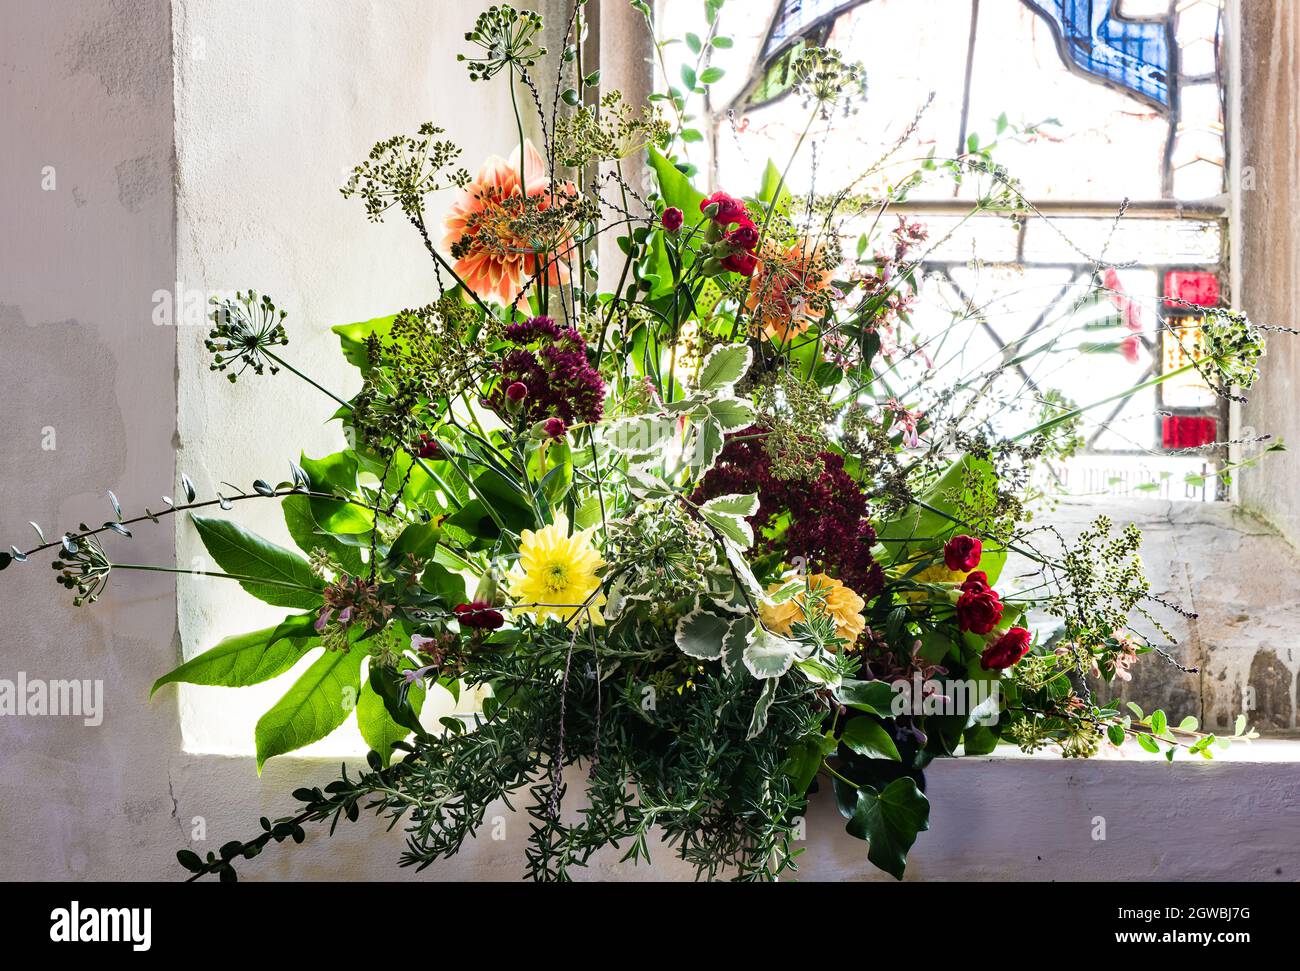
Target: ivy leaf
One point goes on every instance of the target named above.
(251, 658)
(869, 738)
(291, 582)
(319, 702)
(889, 820)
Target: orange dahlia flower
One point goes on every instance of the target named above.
(489, 227)
(790, 289)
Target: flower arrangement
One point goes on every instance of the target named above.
(705, 544)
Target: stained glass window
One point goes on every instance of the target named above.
(1099, 108)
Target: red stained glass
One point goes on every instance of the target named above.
(1193, 286)
(1187, 431)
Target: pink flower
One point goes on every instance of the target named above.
(1131, 348)
(1131, 310)
(906, 421)
(671, 220)
(554, 427)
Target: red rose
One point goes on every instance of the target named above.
(979, 611)
(728, 209)
(961, 554)
(516, 392)
(744, 237)
(976, 582)
(740, 262)
(671, 220)
(479, 615)
(1006, 650)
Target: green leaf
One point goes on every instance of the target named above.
(889, 821)
(1148, 743)
(418, 539)
(769, 655)
(758, 721)
(1159, 723)
(319, 702)
(244, 659)
(723, 367)
(768, 192)
(306, 532)
(388, 709)
(727, 515)
(873, 697)
(701, 634)
(352, 337)
(1116, 734)
(289, 581)
(712, 75)
(869, 738)
(931, 521)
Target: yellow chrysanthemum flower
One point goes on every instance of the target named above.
(842, 604)
(557, 572)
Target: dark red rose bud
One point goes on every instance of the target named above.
(428, 448)
(979, 611)
(1006, 650)
(478, 615)
(671, 220)
(726, 209)
(961, 554)
(554, 427)
(742, 263)
(516, 392)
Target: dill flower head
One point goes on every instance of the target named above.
(833, 598)
(557, 572)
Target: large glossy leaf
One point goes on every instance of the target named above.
(309, 536)
(924, 526)
(352, 337)
(251, 658)
(378, 727)
(870, 739)
(319, 702)
(889, 820)
(281, 577)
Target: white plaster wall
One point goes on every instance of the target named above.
(272, 102)
(275, 103)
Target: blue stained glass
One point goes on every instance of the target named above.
(1133, 54)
